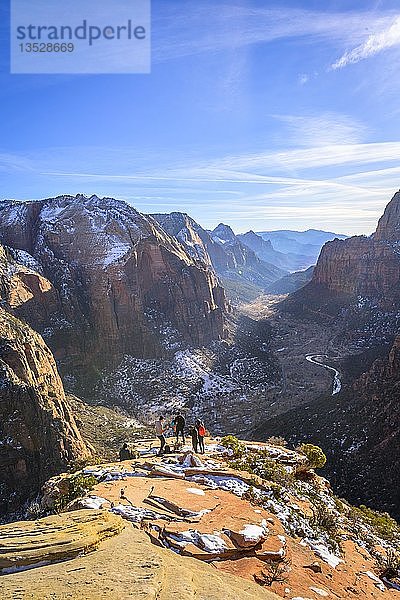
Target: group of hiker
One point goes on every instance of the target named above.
(197, 432)
(177, 424)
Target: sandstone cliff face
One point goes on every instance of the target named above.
(38, 434)
(360, 266)
(389, 224)
(120, 280)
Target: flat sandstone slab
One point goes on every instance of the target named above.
(56, 538)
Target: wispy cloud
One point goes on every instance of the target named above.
(14, 162)
(303, 78)
(212, 27)
(316, 157)
(323, 130)
(289, 187)
(375, 43)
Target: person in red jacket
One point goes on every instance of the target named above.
(201, 432)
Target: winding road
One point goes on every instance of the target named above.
(317, 359)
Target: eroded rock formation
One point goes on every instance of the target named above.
(24, 291)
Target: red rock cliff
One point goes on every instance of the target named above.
(123, 283)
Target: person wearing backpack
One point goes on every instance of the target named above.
(201, 432)
(180, 426)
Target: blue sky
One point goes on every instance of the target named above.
(263, 115)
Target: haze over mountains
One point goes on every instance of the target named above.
(137, 311)
(294, 250)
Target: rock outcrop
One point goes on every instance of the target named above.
(24, 291)
(362, 268)
(56, 538)
(38, 433)
(389, 224)
(123, 285)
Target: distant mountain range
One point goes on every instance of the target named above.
(301, 248)
(292, 282)
(247, 264)
(243, 273)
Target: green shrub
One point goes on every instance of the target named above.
(232, 443)
(259, 463)
(316, 458)
(383, 524)
(324, 518)
(252, 496)
(78, 485)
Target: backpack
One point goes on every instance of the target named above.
(202, 431)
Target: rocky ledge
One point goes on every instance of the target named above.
(56, 538)
(127, 565)
(245, 520)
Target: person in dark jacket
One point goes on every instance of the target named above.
(180, 426)
(201, 432)
(125, 453)
(195, 438)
